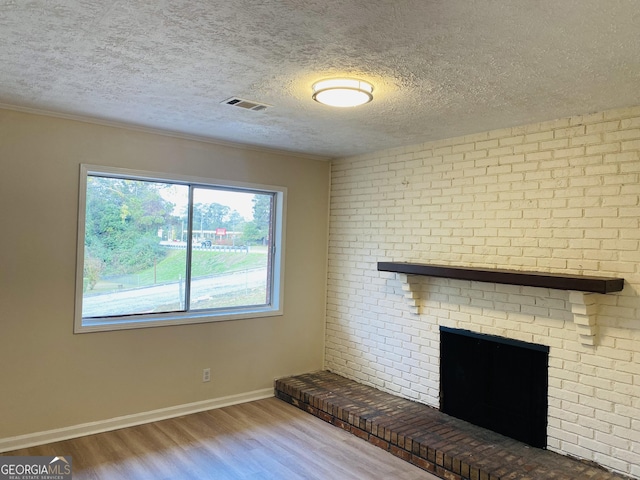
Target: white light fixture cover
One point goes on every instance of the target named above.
(342, 92)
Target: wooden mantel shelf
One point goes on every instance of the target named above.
(580, 283)
(582, 288)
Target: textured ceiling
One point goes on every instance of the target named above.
(441, 68)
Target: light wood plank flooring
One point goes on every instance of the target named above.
(266, 439)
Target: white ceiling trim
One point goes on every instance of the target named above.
(164, 133)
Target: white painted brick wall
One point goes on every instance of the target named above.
(561, 196)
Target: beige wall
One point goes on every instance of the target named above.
(51, 378)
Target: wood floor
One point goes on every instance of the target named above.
(266, 439)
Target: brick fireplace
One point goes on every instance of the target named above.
(561, 197)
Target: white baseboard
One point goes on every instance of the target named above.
(59, 434)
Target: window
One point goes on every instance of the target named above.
(163, 250)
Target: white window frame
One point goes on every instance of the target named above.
(274, 308)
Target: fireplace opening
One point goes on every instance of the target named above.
(495, 383)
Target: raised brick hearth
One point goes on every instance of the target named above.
(450, 448)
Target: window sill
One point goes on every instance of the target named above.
(165, 320)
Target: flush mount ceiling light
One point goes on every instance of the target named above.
(342, 92)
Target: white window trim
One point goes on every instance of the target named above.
(180, 318)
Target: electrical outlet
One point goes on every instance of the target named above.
(206, 375)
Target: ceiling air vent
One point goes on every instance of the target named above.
(246, 104)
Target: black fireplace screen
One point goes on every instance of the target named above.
(496, 383)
